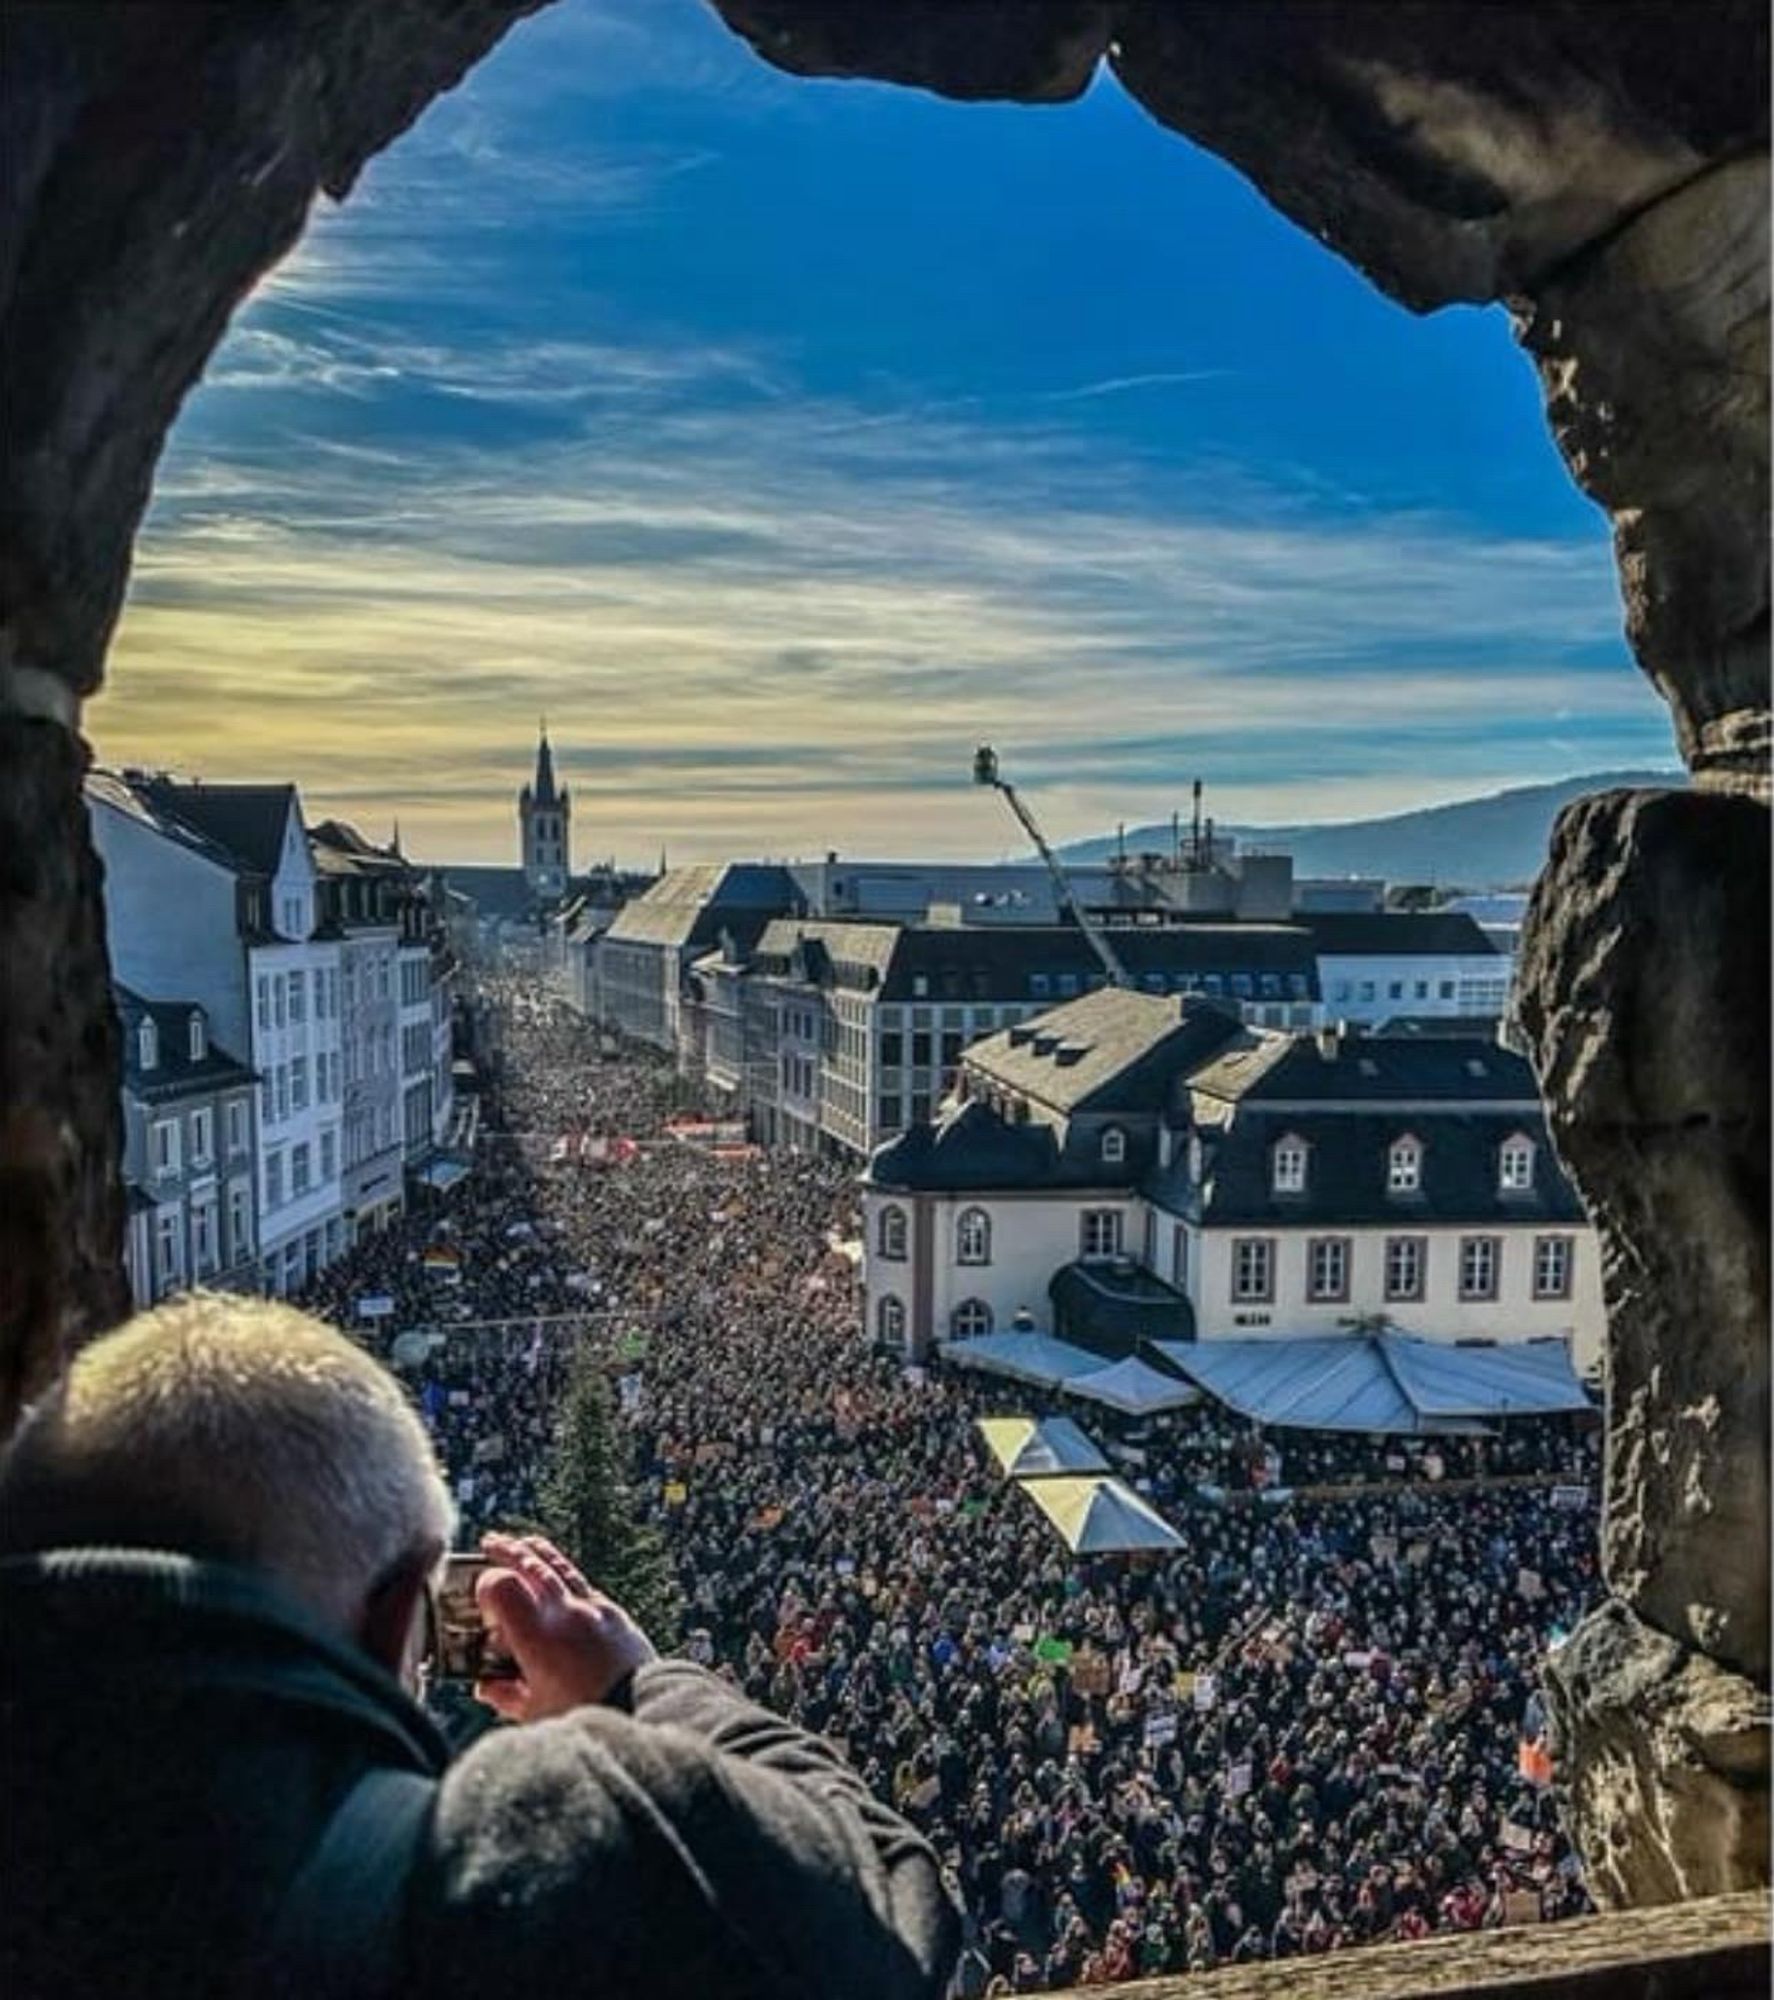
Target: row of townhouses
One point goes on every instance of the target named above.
(836, 1032)
(1128, 1165)
(285, 994)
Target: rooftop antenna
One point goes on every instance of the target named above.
(1176, 839)
(1121, 844)
(1195, 828)
(985, 772)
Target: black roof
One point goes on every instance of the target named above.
(246, 822)
(1346, 1171)
(1109, 1051)
(1112, 1307)
(971, 1149)
(1399, 933)
(1023, 961)
(174, 1073)
(1349, 1067)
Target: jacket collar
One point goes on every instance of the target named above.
(148, 1615)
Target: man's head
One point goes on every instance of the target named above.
(241, 1431)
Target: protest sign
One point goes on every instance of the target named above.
(1090, 1673)
(1570, 1499)
(375, 1305)
(1529, 1585)
(1161, 1729)
(1238, 1779)
(1056, 1651)
(1206, 1691)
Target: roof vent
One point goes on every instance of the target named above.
(1046, 1044)
(1020, 1037)
(1067, 1054)
(1475, 1066)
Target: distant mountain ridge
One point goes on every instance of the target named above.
(1498, 841)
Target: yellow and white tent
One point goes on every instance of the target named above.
(1026, 1449)
(1097, 1517)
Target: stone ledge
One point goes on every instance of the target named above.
(1714, 1949)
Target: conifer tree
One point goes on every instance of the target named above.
(589, 1511)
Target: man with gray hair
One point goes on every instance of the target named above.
(217, 1538)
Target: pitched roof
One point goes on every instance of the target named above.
(1111, 1050)
(969, 1148)
(1349, 1067)
(174, 1073)
(1346, 1171)
(1396, 934)
(689, 905)
(245, 823)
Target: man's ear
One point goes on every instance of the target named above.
(390, 1627)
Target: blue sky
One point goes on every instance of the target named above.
(780, 440)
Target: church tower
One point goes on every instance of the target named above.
(544, 817)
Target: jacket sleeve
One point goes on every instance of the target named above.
(701, 1846)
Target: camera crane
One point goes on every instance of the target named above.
(985, 772)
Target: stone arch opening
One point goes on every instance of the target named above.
(1604, 172)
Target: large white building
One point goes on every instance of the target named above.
(213, 899)
(1128, 1165)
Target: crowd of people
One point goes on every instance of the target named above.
(1316, 1724)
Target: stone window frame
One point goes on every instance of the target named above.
(890, 1321)
(1251, 1289)
(1565, 1245)
(1491, 1289)
(1338, 1294)
(892, 1234)
(1289, 1148)
(1095, 1224)
(1395, 1293)
(972, 1319)
(973, 1236)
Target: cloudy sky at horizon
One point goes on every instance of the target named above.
(782, 440)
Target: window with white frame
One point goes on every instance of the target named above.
(1287, 1165)
(1553, 1259)
(169, 1246)
(973, 1237)
(147, 1044)
(166, 1146)
(1480, 1259)
(283, 1090)
(890, 1235)
(1253, 1270)
(203, 1136)
(298, 996)
(298, 1083)
(1114, 1146)
(203, 1238)
(1407, 1265)
(198, 1044)
(890, 1321)
(1515, 1164)
(239, 1130)
(1404, 1166)
(970, 1319)
(1099, 1232)
(1327, 1269)
(273, 1180)
(1179, 1256)
(301, 1161)
(240, 1222)
(329, 1154)
(263, 986)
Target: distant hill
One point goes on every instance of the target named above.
(1495, 842)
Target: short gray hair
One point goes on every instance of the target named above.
(237, 1430)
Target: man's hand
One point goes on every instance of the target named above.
(572, 1644)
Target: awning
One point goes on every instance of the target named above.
(443, 1173)
(1116, 1306)
(1101, 1516)
(1386, 1384)
(1024, 1357)
(1134, 1387)
(1026, 1449)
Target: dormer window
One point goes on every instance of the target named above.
(147, 1044)
(1404, 1166)
(1515, 1165)
(198, 1042)
(1287, 1166)
(1114, 1146)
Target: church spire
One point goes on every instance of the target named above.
(543, 790)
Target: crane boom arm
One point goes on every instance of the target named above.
(1112, 965)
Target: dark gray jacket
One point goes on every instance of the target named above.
(175, 1740)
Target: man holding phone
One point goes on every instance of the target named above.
(218, 1538)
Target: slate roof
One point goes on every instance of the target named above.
(174, 1073)
(1112, 1308)
(1346, 1170)
(1375, 1069)
(245, 823)
(692, 905)
(1396, 934)
(996, 962)
(857, 954)
(970, 1148)
(1112, 1050)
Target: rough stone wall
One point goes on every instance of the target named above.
(1603, 169)
(155, 161)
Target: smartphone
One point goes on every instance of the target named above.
(464, 1648)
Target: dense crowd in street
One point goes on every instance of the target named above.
(1317, 1724)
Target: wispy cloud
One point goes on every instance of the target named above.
(1116, 385)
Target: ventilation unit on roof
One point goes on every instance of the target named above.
(1021, 1037)
(1067, 1054)
(1475, 1066)
(1046, 1044)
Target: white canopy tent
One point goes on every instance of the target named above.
(1024, 1357)
(1134, 1387)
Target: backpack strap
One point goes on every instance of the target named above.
(339, 1932)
